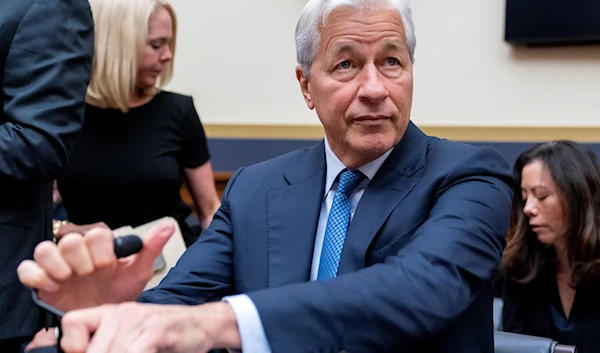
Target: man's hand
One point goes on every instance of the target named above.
(136, 327)
(83, 271)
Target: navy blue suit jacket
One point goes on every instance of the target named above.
(46, 50)
(416, 268)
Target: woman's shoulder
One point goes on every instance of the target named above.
(172, 103)
(172, 97)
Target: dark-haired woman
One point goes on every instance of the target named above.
(552, 258)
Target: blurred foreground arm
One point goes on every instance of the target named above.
(46, 74)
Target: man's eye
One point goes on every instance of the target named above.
(392, 61)
(344, 65)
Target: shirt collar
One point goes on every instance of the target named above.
(335, 166)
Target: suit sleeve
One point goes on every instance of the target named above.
(418, 292)
(46, 74)
(204, 273)
(195, 147)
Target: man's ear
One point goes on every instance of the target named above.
(305, 87)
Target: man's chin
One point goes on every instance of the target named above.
(380, 141)
(373, 149)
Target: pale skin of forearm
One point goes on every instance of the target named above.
(172, 328)
(201, 185)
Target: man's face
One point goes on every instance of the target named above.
(361, 83)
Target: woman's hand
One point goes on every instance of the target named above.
(44, 338)
(76, 228)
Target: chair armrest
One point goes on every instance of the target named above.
(563, 348)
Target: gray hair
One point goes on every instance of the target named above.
(316, 12)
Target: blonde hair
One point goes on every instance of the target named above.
(121, 32)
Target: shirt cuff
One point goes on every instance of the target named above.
(252, 333)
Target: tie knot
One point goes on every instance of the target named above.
(349, 179)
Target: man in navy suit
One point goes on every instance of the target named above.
(279, 268)
(46, 49)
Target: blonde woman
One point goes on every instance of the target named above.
(138, 142)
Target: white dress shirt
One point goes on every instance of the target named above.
(252, 333)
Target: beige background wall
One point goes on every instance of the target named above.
(237, 59)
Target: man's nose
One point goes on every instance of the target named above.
(372, 86)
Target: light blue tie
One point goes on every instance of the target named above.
(337, 225)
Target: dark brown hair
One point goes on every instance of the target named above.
(576, 173)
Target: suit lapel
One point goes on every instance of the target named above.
(293, 213)
(394, 180)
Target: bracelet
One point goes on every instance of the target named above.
(56, 225)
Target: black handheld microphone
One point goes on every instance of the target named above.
(127, 245)
(124, 246)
